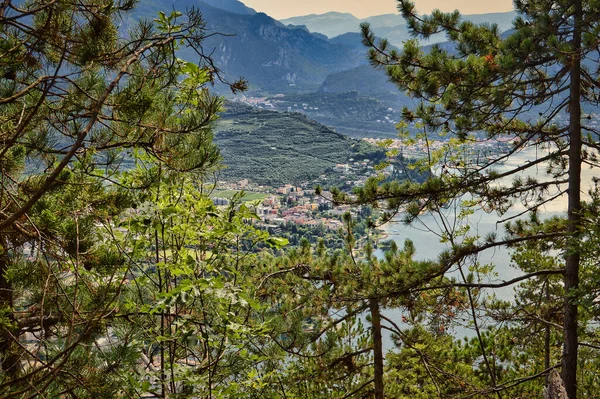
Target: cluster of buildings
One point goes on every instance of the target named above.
(356, 173)
(291, 204)
(296, 205)
(419, 148)
(258, 102)
(271, 104)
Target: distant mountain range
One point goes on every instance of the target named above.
(389, 26)
(279, 58)
(334, 24)
(330, 24)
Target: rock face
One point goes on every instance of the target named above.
(271, 56)
(555, 388)
(275, 58)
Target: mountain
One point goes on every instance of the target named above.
(351, 40)
(385, 20)
(364, 79)
(149, 8)
(330, 24)
(369, 81)
(334, 24)
(271, 56)
(277, 148)
(398, 34)
(504, 20)
(234, 6)
(389, 26)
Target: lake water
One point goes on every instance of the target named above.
(424, 232)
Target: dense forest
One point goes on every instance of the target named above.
(120, 276)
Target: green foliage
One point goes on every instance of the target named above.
(482, 84)
(78, 97)
(189, 303)
(321, 298)
(133, 283)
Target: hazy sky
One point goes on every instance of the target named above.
(364, 8)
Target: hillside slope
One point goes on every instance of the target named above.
(276, 148)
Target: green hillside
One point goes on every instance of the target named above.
(282, 147)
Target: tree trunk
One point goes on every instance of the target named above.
(547, 335)
(569, 357)
(377, 348)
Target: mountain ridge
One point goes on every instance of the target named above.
(390, 26)
(233, 6)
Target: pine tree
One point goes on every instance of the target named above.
(323, 299)
(522, 84)
(81, 91)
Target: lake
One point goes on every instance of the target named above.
(425, 232)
